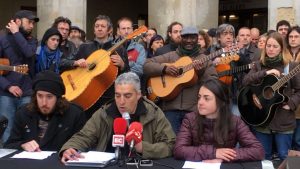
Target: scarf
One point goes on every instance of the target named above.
(48, 60)
(183, 52)
(274, 62)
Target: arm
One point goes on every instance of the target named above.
(27, 47)
(255, 75)
(87, 137)
(163, 138)
(294, 99)
(17, 137)
(184, 148)
(250, 148)
(154, 66)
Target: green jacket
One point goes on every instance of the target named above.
(158, 136)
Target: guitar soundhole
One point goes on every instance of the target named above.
(268, 93)
(92, 66)
(180, 71)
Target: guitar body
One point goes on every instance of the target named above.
(168, 87)
(85, 86)
(221, 68)
(258, 103)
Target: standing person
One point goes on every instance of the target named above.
(20, 47)
(156, 42)
(293, 38)
(262, 41)
(49, 120)
(75, 36)
(48, 54)
(186, 101)
(276, 60)
(157, 139)
(254, 33)
(203, 40)
(145, 40)
(213, 132)
(135, 51)
(283, 27)
(68, 48)
(102, 29)
(172, 40)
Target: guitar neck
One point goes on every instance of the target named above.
(117, 45)
(285, 79)
(235, 70)
(7, 68)
(204, 59)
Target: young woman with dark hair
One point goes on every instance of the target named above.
(212, 133)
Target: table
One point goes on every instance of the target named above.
(53, 162)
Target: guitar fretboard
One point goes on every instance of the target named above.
(7, 68)
(203, 60)
(285, 79)
(235, 70)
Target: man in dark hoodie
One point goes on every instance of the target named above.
(19, 47)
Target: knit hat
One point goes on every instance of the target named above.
(49, 81)
(50, 32)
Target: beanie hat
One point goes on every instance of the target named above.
(50, 32)
(49, 81)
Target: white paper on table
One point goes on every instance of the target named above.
(34, 155)
(94, 157)
(5, 152)
(201, 165)
(267, 164)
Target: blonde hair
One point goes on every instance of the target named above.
(287, 57)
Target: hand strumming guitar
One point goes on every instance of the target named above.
(171, 70)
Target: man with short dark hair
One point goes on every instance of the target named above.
(283, 27)
(103, 29)
(186, 101)
(19, 47)
(68, 60)
(49, 120)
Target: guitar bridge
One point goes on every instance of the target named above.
(256, 101)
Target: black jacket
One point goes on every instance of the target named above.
(60, 128)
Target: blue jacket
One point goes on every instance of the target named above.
(136, 57)
(19, 50)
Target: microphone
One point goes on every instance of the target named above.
(118, 139)
(134, 134)
(126, 116)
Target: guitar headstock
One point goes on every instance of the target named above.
(234, 48)
(21, 69)
(137, 32)
(228, 58)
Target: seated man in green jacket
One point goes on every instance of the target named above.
(158, 136)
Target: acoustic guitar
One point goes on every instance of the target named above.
(5, 68)
(225, 71)
(85, 86)
(168, 87)
(258, 103)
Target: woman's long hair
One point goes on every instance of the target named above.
(287, 57)
(223, 123)
(61, 105)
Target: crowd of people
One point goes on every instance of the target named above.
(200, 122)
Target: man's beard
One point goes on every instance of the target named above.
(24, 32)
